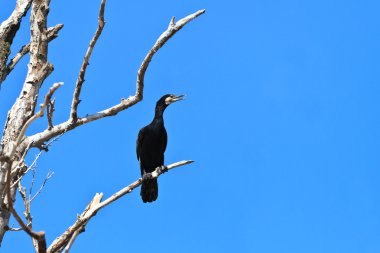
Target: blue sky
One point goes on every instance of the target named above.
(282, 118)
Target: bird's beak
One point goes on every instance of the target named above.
(178, 98)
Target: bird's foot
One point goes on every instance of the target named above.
(147, 176)
(163, 169)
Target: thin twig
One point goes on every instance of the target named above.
(31, 167)
(96, 204)
(82, 72)
(48, 176)
(28, 216)
(32, 181)
(34, 163)
(39, 236)
(22, 192)
(14, 229)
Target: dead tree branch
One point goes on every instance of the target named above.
(48, 176)
(33, 164)
(38, 236)
(31, 167)
(14, 229)
(52, 33)
(23, 109)
(39, 114)
(96, 204)
(173, 28)
(82, 72)
(8, 30)
(165, 36)
(28, 216)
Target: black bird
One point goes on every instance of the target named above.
(150, 148)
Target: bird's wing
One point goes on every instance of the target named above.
(139, 142)
(165, 139)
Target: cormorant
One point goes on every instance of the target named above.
(150, 148)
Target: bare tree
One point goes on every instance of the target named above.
(15, 145)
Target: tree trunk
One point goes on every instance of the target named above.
(23, 108)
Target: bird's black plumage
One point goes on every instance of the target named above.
(150, 148)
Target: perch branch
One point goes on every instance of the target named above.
(173, 28)
(82, 72)
(96, 204)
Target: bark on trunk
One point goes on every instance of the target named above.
(23, 108)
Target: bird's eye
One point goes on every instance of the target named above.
(168, 100)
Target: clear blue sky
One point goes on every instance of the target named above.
(282, 118)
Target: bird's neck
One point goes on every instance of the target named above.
(159, 116)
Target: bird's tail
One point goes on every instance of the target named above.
(149, 190)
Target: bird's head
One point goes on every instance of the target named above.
(168, 99)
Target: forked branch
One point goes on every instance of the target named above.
(52, 33)
(173, 28)
(38, 236)
(96, 204)
(28, 216)
(40, 113)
